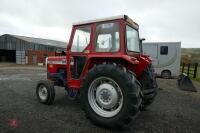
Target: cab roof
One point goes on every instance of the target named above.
(124, 17)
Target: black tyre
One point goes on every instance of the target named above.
(166, 74)
(45, 92)
(149, 87)
(110, 97)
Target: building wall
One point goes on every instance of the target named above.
(38, 55)
(16, 49)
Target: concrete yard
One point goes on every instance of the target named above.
(173, 110)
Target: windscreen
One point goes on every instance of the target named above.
(132, 39)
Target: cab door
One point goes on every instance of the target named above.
(77, 57)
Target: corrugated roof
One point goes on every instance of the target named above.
(41, 41)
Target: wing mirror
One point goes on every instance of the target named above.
(141, 40)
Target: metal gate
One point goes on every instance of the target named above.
(20, 57)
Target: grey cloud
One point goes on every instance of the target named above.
(166, 20)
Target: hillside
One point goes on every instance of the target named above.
(191, 55)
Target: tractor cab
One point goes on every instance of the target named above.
(109, 35)
(107, 39)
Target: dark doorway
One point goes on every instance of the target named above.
(7, 55)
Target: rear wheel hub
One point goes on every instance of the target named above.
(105, 97)
(43, 92)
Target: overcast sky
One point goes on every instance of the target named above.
(159, 20)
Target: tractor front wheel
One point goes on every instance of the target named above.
(45, 92)
(110, 96)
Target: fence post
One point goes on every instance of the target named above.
(183, 65)
(188, 70)
(195, 70)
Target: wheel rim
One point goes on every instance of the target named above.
(43, 92)
(105, 97)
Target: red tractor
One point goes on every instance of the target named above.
(104, 66)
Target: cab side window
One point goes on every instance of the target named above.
(81, 39)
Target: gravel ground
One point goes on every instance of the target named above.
(173, 110)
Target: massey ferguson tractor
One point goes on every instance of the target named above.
(105, 68)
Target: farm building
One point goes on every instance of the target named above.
(28, 50)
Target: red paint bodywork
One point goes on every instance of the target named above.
(53, 68)
(135, 63)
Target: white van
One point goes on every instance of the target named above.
(166, 57)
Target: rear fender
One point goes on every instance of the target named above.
(136, 65)
(144, 62)
(129, 63)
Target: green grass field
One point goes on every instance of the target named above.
(198, 74)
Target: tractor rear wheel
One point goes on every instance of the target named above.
(45, 92)
(110, 97)
(149, 87)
